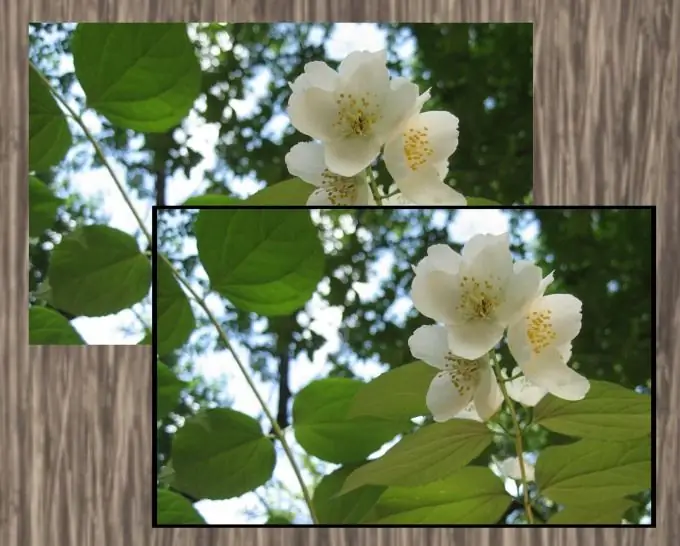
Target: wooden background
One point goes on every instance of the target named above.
(75, 432)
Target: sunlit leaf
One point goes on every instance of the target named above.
(49, 137)
(398, 393)
(141, 76)
(174, 317)
(173, 509)
(168, 388)
(432, 453)
(97, 271)
(324, 430)
(608, 412)
(221, 453)
(42, 207)
(265, 261)
(47, 327)
(588, 469)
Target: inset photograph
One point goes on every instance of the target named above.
(264, 114)
(403, 366)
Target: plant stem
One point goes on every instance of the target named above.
(374, 187)
(79, 120)
(275, 426)
(518, 445)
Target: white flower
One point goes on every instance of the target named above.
(306, 161)
(417, 158)
(475, 294)
(522, 390)
(510, 468)
(353, 111)
(459, 383)
(540, 341)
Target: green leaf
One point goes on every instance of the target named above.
(323, 429)
(174, 317)
(265, 261)
(344, 509)
(588, 469)
(146, 340)
(396, 394)
(473, 495)
(97, 271)
(278, 520)
(211, 200)
(608, 412)
(42, 207)
(221, 453)
(174, 509)
(288, 192)
(49, 137)
(432, 453)
(598, 512)
(141, 76)
(168, 388)
(481, 202)
(47, 327)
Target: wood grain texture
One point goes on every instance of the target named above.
(75, 428)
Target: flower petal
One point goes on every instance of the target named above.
(518, 341)
(473, 339)
(339, 193)
(488, 396)
(426, 188)
(429, 344)
(439, 257)
(306, 161)
(519, 292)
(356, 59)
(549, 371)
(523, 391)
(434, 294)
(479, 242)
(397, 107)
(510, 468)
(565, 315)
(349, 156)
(442, 131)
(443, 398)
(316, 74)
(469, 412)
(313, 113)
(319, 198)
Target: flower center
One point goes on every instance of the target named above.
(340, 189)
(417, 147)
(540, 330)
(356, 113)
(464, 374)
(478, 299)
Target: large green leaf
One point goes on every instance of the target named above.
(47, 327)
(597, 512)
(473, 495)
(173, 509)
(141, 76)
(608, 412)
(288, 192)
(174, 318)
(265, 261)
(432, 453)
(168, 389)
(42, 207)
(221, 453)
(278, 519)
(396, 394)
(343, 509)
(324, 430)
(589, 469)
(49, 137)
(97, 271)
